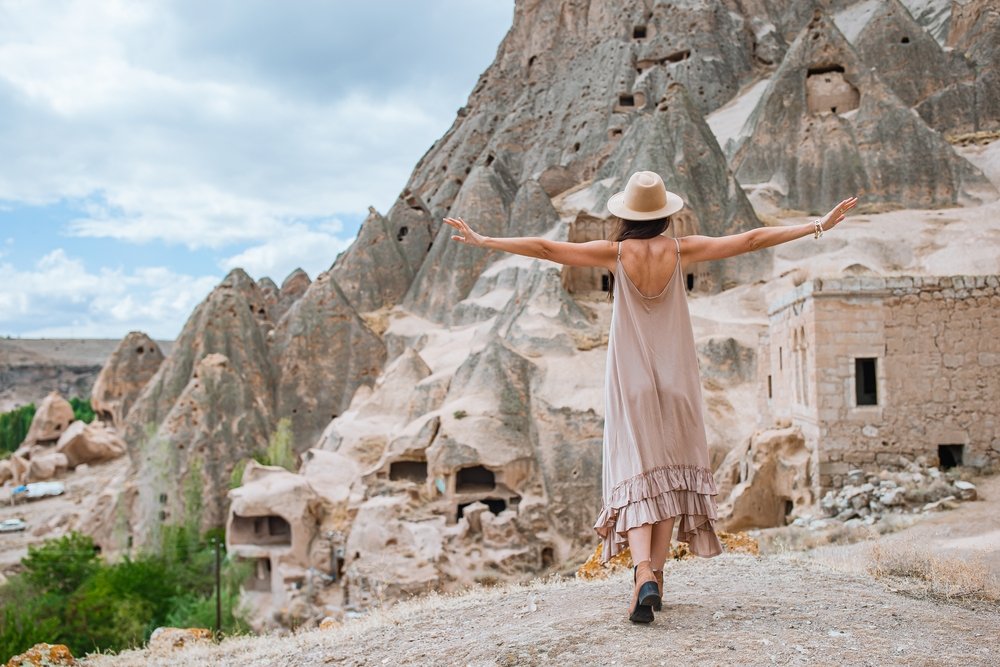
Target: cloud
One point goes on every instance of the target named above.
(187, 126)
(239, 129)
(59, 298)
(298, 248)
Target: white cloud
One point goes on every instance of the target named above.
(60, 298)
(298, 248)
(235, 127)
(99, 103)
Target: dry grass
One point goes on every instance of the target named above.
(931, 575)
(740, 543)
(796, 538)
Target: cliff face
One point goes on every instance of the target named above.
(453, 394)
(851, 133)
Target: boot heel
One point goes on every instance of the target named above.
(649, 595)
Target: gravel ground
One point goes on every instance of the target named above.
(731, 610)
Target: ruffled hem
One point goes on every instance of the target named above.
(684, 492)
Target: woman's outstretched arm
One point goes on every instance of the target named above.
(591, 253)
(701, 248)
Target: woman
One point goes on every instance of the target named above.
(656, 464)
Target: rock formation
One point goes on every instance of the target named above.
(210, 404)
(894, 45)
(230, 321)
(32, 368)
(292, 287)
(130, 367)
(769, 479)
(182, 469)
(52, 418)
(974, 26)
(45, 465)
(322, 351)
(851, 135)
(377, 269)
(90, 443)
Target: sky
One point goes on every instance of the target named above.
(147, 148)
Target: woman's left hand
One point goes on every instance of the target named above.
(467, 236)
(830, 220)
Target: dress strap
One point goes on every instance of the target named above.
(678, 242)
(619, 250)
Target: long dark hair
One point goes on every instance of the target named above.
(635, 229)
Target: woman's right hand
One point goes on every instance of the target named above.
(467, 236)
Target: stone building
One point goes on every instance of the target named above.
(870, 368)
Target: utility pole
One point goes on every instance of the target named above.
(218, 587)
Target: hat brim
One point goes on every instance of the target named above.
(616, 205)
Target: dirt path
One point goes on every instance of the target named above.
(731, 610)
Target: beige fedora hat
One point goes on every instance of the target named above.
(644, 198)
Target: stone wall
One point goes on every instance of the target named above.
(936, 352)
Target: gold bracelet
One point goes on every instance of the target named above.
(817, 229)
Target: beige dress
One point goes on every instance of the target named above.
(656, 462)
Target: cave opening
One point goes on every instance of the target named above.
(474, 479)
(409, 471)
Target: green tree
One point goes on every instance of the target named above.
(61, 565)
(67, 594)
(14, 427)
(280, 451)
(82, 409)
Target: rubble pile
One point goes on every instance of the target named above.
(913, 488)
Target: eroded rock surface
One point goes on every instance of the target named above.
(183, 468)
(51, 420)
(852, 136)
(130, 367)
(90, 443)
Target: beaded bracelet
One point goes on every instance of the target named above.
(817, 229)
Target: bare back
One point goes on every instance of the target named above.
(649, 263)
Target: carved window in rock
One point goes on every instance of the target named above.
(829, 91)
(270, 530)
(409, 471)
(260, 578)
(632, 101)
(495, 505)
(474, 479)
(584, 279)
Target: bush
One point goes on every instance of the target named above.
(61, 565)
(68, 595)
(82, 409)
(280, 451)
(14, 427)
